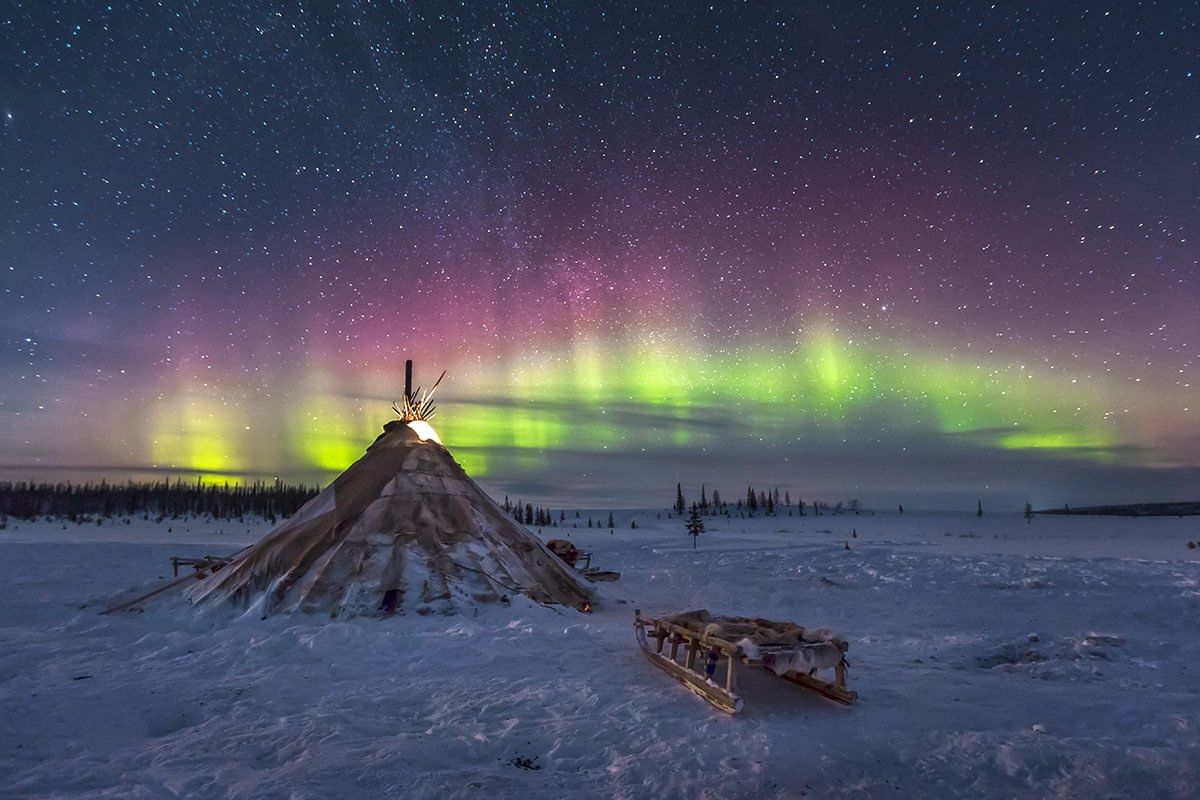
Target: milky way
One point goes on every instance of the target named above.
(905, 251)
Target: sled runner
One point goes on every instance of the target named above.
(699, 642)
(596, 575)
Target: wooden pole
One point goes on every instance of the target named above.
(408, 380)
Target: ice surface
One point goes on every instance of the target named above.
(992, 658)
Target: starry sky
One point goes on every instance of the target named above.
(900, 252)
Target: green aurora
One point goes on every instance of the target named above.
(653, 397)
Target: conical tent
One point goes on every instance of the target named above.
(402, 529)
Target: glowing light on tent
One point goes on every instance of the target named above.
(424, 431)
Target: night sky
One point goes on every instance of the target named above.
(919, 253)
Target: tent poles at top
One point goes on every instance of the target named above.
(417, 404)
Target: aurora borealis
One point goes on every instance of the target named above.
(895, 251)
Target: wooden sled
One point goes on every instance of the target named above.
(699, 642)
(202, 566)
(580, 561)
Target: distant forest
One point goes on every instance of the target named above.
(1181, 509)
(160, 499)
(760, 501)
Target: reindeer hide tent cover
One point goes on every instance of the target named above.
(402, 529)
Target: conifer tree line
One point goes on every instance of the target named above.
(271, 501)
(765, 502)
(529, 514)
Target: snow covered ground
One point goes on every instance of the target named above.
(992, 658)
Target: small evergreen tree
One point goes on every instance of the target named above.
(751, 500)
(1028, 513)
(680, 506)
(703, 500)
(610, 520)
(979, 508)
(694, 524)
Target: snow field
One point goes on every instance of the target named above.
(992, 658)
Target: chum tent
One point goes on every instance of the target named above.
(403, 529)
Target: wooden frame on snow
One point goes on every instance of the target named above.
(703, 682)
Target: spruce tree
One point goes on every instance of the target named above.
(694, 524)
(1028, 513)
(610, 520)
(751, 500)
(680, 505)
